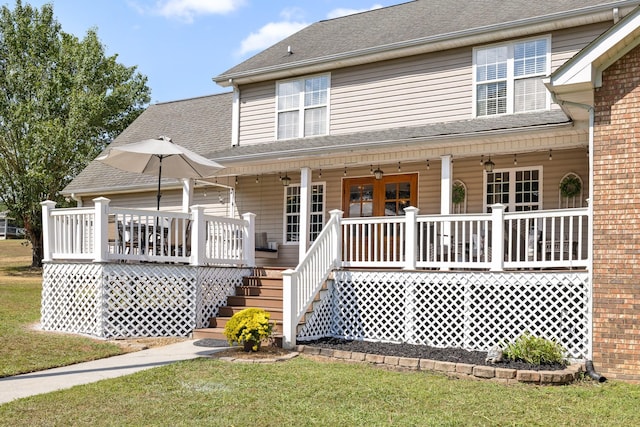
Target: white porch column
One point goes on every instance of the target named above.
(497, 237)
(187, 194)
(445, 185)
(411, 238)
(289, 298)
(446, 176)
(101, 231)
(197, 235)
(305, 211)
(47, 230)
(249, 239)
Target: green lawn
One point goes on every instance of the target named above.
(209, 392)
(23, 349)
(303, 391)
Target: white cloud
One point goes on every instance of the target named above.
(337, 13)
(269, 35)
(292, 21)
(187, 10)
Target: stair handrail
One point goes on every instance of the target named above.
(301, 285)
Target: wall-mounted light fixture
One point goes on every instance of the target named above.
(488, 165)
(378, 173)
(286, 180)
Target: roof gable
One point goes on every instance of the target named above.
(587, 66)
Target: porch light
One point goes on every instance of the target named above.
(488, 165)
(378, 173)
(286, 180)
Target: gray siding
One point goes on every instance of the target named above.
(411, 91)
(257, 113)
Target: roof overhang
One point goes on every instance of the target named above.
(474, 36)
(572, 84)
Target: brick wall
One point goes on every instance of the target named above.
(616, 222)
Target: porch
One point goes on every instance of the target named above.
(466, 280)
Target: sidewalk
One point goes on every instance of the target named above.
(87, 372)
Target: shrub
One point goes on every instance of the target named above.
(535, 350)
(249, 325)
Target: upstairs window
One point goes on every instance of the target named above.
(302, 107)
(508, 78)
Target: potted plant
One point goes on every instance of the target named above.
(249, 328)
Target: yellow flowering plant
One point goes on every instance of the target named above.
(250, 325)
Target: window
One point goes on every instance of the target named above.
(517, 189)
(508, 78)
(292, 212)
(302, 107)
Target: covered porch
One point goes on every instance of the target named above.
(469, 279)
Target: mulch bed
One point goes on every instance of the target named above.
(455, 355)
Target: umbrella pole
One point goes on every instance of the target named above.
(159, 178)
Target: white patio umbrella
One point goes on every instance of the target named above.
(160, 156)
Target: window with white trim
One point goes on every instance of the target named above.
(508, 77)
(292, 212)
(518, 189)
(302, 106)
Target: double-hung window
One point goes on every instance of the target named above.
(292, 212)
(508, 77)
(302, 107)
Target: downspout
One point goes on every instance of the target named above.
(78, 199)
(589, 363)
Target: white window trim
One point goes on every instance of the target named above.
(284, 210)
(512, 187)
(510, 74)
(301, 107)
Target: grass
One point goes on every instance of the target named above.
(309, 392)
(23, 349)
(300, 392)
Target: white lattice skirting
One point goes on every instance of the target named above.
(470, 310)
(133, 300)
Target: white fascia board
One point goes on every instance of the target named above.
(588, 64)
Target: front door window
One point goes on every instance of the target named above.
(389, 196)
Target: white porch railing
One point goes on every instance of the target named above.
(495, 241)
(301, 285)
(106, 234)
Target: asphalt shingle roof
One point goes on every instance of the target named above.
(200, 124)
(412, 21)
(347, 142)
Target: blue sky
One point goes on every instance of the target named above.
(181, 44)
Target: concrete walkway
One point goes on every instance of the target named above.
(50, 380)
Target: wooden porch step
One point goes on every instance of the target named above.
(262, 291)
(259, 301)
(275, 272)
(228, 311)
(259, 281)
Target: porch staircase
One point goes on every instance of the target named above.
(262, 290)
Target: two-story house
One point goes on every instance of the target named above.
(465, 171)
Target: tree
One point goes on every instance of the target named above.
(61, 101)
